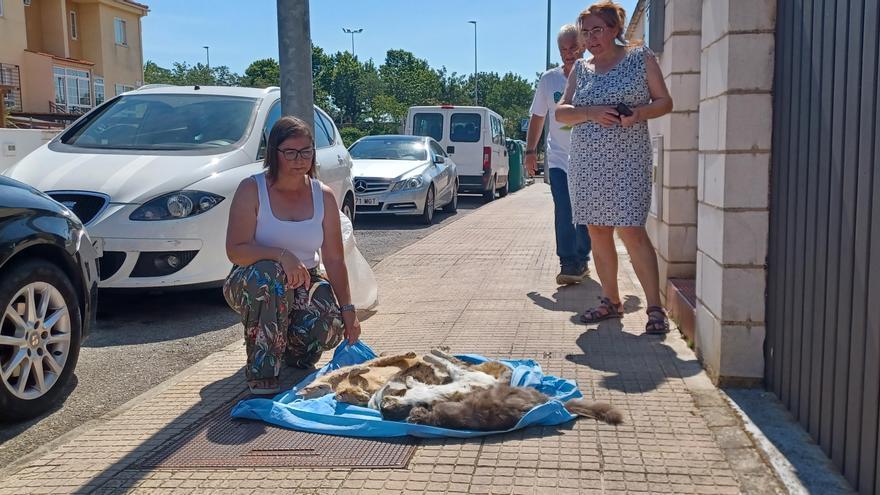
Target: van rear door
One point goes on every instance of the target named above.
(424, 122)
(466, 140)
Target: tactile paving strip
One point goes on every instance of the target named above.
(220, 441)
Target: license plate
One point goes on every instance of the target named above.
(367, 201)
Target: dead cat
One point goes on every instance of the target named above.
(358, 383)
(404, 391)
(500, 408)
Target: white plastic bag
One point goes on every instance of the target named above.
(361, 280)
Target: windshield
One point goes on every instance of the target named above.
(389, 149)
(166, 122)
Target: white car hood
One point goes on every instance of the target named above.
(384, 168)
(125, 178)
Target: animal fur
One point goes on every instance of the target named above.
(404, 392)
(500, 408)
(358, 383)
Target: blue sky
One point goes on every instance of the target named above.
(511, 33)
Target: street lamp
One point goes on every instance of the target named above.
(352, 32)
(207, 55)
(476, 85)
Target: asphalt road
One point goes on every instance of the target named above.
(143, 339)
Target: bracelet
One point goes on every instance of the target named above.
(531, 152)
(347, 307)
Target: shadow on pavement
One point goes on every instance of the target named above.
(808, 462)
(131, 318)
(637, 363)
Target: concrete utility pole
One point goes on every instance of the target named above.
(295, 59)
(208, 56)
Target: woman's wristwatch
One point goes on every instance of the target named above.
(532, 152)
(347, 307)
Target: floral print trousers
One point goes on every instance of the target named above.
(294, 324)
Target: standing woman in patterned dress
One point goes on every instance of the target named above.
(610, 161)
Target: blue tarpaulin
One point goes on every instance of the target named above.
(326, 415)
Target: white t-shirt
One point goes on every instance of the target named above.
(551, 86)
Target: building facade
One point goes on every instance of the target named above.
(767, 219)
(67, 56)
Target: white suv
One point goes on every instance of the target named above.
(152, 172)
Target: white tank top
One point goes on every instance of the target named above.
(304, 238)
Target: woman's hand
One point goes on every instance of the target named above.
(352, 327)
(633, 119)
(297, 274)
(606, 116)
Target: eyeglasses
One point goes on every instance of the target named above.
(292, 154)
(593, 33)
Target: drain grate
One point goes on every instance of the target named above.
(220, 441)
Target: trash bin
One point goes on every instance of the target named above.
(515, 160)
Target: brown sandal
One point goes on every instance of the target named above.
(606, 310)
(265, 386)
(658, 323)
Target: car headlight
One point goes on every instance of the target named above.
(181, 204)
(411, 183)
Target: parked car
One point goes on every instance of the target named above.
(403, 175)
(48, 298)
(473, 137)
(152, 172)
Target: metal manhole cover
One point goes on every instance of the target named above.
(220, 441)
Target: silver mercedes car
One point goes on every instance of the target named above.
(403, 175)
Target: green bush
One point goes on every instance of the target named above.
(350, 135)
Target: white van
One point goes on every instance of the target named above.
(473, 137)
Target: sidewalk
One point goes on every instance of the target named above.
(484, 284)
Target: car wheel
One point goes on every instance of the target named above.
(504, 190)
(40, 332)
(452, 206)
(489, 195)
(430, 206)
(348, 207)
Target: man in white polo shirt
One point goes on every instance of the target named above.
(572, 242)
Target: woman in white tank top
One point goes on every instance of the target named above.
(281, 223)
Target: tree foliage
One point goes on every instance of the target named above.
(370, 99)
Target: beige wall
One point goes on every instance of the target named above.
(90, 33)
(34, 23)
(735, 137)
(674, 231)
(120, 64)
(13, 33)
(53, 24)
(37, 84)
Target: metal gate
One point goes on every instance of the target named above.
(823, 301)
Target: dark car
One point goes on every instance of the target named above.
(48, 298)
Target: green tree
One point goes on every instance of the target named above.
(410, 80)
(262, 73)
(153, 74)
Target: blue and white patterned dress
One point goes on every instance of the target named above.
(609, 173)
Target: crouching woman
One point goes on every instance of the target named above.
(279, 222)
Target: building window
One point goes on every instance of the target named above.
(72, 90)
(122, 88)
(119, 27)
(99, 90)
(73, 32)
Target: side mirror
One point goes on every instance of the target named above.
(438, 159)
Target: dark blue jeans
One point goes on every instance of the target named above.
(572, 242)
